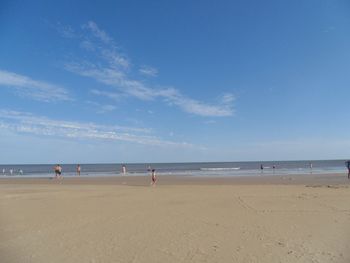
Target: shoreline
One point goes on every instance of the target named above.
(277, 179)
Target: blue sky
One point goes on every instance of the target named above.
(161, 81)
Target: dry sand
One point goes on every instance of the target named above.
(180, 220)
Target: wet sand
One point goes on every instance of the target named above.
(183, 219)
(258, 179)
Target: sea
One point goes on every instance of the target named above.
(201, 169)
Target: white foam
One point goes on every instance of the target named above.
(220, 169)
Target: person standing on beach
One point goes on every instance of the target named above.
(153, 177)
(123, 169)
(59, 171)
(78, 169)
(348, 166)
(56, 170)
(310, 164)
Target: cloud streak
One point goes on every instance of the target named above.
(35, 89)
(113, 69)
(112, 95)
(98, 33)
(24, 122)
(148, 71)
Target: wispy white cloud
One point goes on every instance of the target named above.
(35, 89)
(102, 44)
(101, 108)
(112, 68)
(227, 98)
(173, 96)
(112, 95)
(65, 30)
(115, 59)
(107, 108)
(113, 78)
(87, 45)
(24, 122)
(148, 71)
(102, 35)
(139, 90)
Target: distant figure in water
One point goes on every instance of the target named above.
(3, 171)
(310, 164)
(20, 171)
(58, 171)
(123, 169)
(348, 166)
(273, 167)
(11, 171)
(153, 177)
(261, 168)
(78, 169)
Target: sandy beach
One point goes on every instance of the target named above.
(182, 219)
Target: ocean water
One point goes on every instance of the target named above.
(212, 169)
